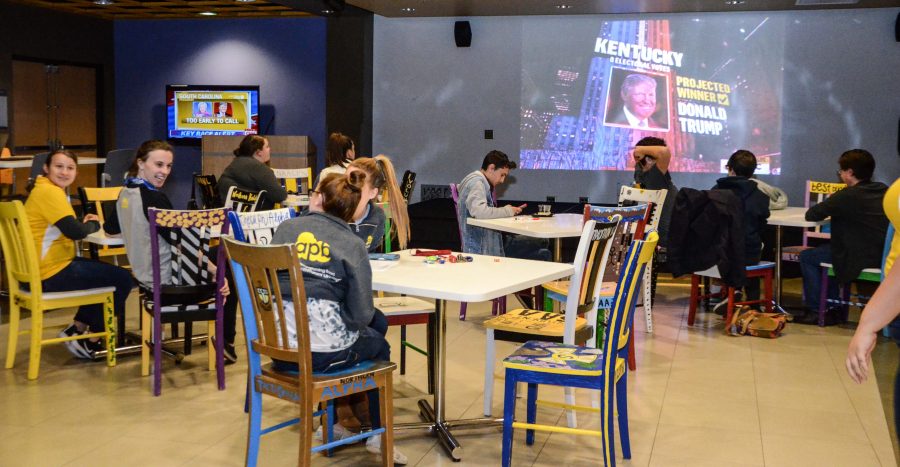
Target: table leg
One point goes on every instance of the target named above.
(778, 268)
(557, 250)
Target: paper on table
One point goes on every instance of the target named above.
(378, 265)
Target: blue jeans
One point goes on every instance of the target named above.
(812, 275)
(83, 273)
(370, 345)
(525, 247)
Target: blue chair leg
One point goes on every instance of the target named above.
(255, 427)
(622, 408)
(509, 413)
(329, 426)
(531, 411)
(606, 428)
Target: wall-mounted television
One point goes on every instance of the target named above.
(197, 110)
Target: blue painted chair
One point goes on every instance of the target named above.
(572, 366)
(576, 325)
(259, 265)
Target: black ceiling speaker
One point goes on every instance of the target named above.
(897, 28)
(462, 32)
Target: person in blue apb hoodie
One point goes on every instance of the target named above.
(344, 326)
(755, 205)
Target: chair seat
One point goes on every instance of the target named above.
(49, 296)
(561, 289)
(536, 322)
(867, 274)
(399, 306)
(549, 357)
(334, 384)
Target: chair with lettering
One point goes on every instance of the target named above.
(23, 267)
(295, 181)
(845, 298)
(242, 200)
(257, 227)
(209, 192)
(118, 161)
(194, 291)
(548, 363)
(816, 192)
(498, 305)
(256, 270)
(100, 201)
(656, 199)
(576, 324)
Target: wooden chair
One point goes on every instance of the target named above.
(99, 201)
(763, 269)
(569, 327)
(23, 267)
(293, 180)
(242, 200)
(571, 366)
(209, 192)
(115, 168)
(656, 199)
(631, 226)
(816, 192)
(193, 295)
(498, 305)
(847, 299)
(255, 272)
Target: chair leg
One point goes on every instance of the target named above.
(632, 362)
(255, 424)
(648, 297)
(571, 417)
(386, 405)
(823, 297)
(157, 353)
(110, 320)
(509, 412)
(769, 294)
(210, 344)
(607, 443)
(531, 410)
(402, 349)
(495, 306)
(695, 295)
(37, 331)
(622, 408)
(220, 348)
(146, 341)
(13, 338)
(489, 372)
(730, 308)
(462, 311)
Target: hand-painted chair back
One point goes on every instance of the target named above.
(655, 198)
(18, 248)
(295, 181)
(257, 227)
(631, 226)
(189, 234)
(407, 183)
(592, 254)
(256, 276)
(454, 193)
(816, 192)
(242, 200)
(209, 192)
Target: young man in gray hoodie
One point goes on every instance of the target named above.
(476, 199)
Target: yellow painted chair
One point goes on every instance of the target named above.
(569, 327)
(603, 369)
(255, 272)
(22, 267)
(293, 180)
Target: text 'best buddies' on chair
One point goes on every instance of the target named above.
(22, 267)
(567, 365)
(256, 269)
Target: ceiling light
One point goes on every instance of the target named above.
(327, 12)
(735, 2)
(245, 1)
(563, 7)
(207, 13)
(408, 10)
(103, 2)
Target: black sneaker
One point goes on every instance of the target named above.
(79, 348)
(230, 355)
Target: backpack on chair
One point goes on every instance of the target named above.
(754, 323)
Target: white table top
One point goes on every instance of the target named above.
(558, 226)
(101, 238)
(792, 217)
(485, 278)
(26, 163)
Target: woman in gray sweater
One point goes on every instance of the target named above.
(250, 171)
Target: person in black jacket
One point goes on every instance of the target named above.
(755, 208)
(250, 171)
(858, 228)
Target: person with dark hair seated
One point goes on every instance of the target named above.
(249, 170)
(755, 205)
(858, 228)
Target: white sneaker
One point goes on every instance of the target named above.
(339, 433)
(373, 445)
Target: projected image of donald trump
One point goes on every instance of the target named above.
(639, 103)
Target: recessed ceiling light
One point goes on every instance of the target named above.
(735, 2)
(245, 1)
(207, 13)
(408, 10)
(327, 12)
(563, 7)
(103, 2)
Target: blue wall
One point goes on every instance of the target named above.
(285, 57)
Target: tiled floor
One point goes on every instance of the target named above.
(697, 398)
